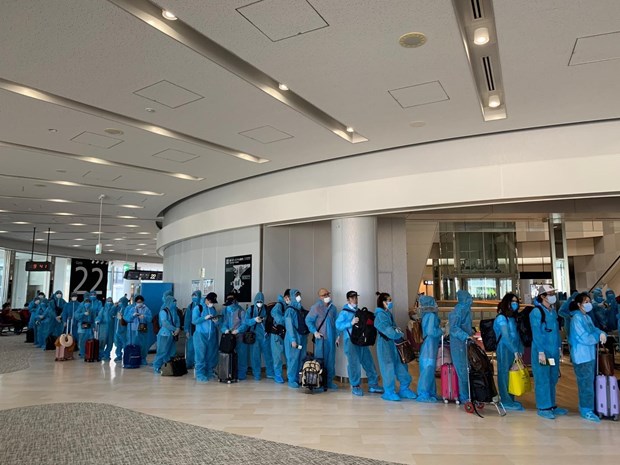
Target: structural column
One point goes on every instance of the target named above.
(559, 253)
(354, 266)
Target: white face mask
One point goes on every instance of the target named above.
(209, 304)
(259, 304)
(551, 299)
(327, 299)
(298, 298)
(58, 296)
(73, 299)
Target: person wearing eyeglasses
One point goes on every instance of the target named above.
(321, 321)
(546, 345)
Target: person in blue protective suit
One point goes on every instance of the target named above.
(85, 317)
(509, 347)
(95, 302)
(321, 321)
(45, 321)
(599, 312)
(460, 330)
(169, 329)
(295, 342)
(68, 315)
(206, 337)
(189, 328)
(33, 308)
(583, 342)
(431, 332)
(255, 317)
(137, 317)
(357, 356)
(391, 367)
(120, 333)
(276, 340)
(565, 312)
(546, 352)
(612, 310)
(105, 322)
(57, 303)
(234, 322)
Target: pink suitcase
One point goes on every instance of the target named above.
(607, 397)
(443, 356)
(449, 383)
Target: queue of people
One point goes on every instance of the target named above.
(282, 331)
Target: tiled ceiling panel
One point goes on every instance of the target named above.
(266, 134)
(168, 94)
(419, 94)
(601, 47)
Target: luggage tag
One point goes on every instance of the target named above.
(551, 361)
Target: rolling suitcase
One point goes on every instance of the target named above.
(132, 353)
(29, 335)
(50, 343)
(227, 368)
(606, 395)
(449, 379)
(64, 345)
(176, 366)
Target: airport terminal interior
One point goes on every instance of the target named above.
(178, 154)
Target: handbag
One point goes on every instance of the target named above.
(405, 351)
(249, 337)
(519, 381)
(142, 328)
(320, 326)
(605, 362)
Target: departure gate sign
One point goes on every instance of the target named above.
(38, 266)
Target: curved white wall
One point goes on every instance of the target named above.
(566, 161)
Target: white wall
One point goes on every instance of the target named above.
(184, 260)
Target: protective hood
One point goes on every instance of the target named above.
(124, 301)
(259, 297)
(197, 293)
(597, 295)
(610, 295)
(165, 294)
(58, 292)
(169, 302)
(428, 304)
(464, 298)
(294, 302)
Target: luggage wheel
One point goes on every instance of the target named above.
(479, 405)
(469, 407)
(614, 418)
(445, 401)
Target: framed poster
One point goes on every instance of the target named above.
(88, 276)
(238, 277)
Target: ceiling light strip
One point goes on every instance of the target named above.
(476, 22)
(97, 161)
(81, 202)
(77, 184)
(191, 38)
(74, 105)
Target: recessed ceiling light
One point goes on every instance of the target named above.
(144, 232)
(64, 214)
(97, 232)
(144, 254)
(131, 225)
(39, 240)
(127, 217)
(417, 124)
(52, 130)
(350, 129)
(119, 239)
(167, 15)
(138, 249)
(412, 40)
(494, 101)
(150, 110)
(113, 131)
(79, 239)
(77, 245)
(142, 244)
(282, 87)
(110, 250)
(131, 206)
(58, 200)
(186, 176)
(481, 36)
(2, 232)
(49, 232)
(21, 222)
(40, 185)
(77, 224)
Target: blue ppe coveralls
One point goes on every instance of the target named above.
(261, 349)
(565, 313)
(206, 340)
(57, 304)
(106, 318)
(189, 331)
(294, 355)
(508, 343)
(599, 313)
(120, 334)
(33, 308)
(431, 332)
(612, 310)
(389, 362)
(583, 342)
(85, 316)
(460, 330)
(357, 356)
(324, 315)
(45, 320)
(133, 320)
(68, 317)
(234, 319)
(546, 339)
(169, 322)
(277, 343)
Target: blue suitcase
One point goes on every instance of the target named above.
(132, 356)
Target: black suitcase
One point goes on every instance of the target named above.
(29, 335)
(50, 343)
(176, 366)
(228, 342)
(227, 368)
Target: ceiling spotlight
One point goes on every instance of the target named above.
(282, 87)
(139, 249)
(77, 224)
(494, 101)
(130, 206)
(77, 245)
(350, 130)
(59, 200)
(131, 225)
(79, 239)
(49, 232)
(20, 222)
(481, 36)
(412, 40)
(113, 131)
(144, 232)
(97, 232)
(167, 15)
(52, 130)
(110, 250)
(119, 239)
(150, 110)
(64, 214)
(39, 240)
(141, 244)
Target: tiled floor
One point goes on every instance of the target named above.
(405, 432)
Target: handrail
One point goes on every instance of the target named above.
(603, 275)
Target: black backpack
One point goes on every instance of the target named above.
(302, 327)
(364, 332)
(524, 327)
(489, 340)
(270, 326)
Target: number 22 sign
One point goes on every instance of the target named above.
(88, 276)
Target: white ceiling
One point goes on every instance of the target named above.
(95, 53)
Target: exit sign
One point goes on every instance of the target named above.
(38, 266)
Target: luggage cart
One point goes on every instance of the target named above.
(481, 386)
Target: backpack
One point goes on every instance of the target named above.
(415, 335)
(524, 327)
(302, 327)
(193, 326)
(311, 375)
(489, 340)
(270, 326)
(364, 332)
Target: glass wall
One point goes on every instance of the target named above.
(27, 283)
(4, 275)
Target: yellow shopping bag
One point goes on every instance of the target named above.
(519, 379)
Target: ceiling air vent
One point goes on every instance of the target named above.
(488, 73)
(475, 9)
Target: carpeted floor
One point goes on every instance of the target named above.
(89, 433)
(14, 353)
